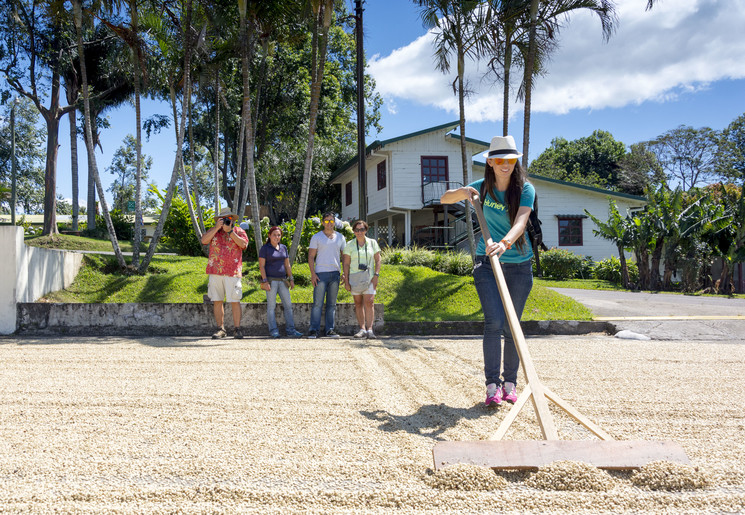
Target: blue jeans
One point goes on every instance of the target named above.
(271, 304)
(328, 286)
(519, 279)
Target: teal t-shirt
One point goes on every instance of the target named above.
(498, 219)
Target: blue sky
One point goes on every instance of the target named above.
(679, 64)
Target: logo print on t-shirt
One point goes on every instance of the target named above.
(494, 205)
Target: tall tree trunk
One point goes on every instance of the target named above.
(50, 176)
(77, 7)
(246, 145)
(318, 62)
(72, 118)
(136, 60)
(217, 143)
(182, 168)
(506, 85)
(91, 210)
(194, 185)
(528, 79)
(463, 152)
(179, 143)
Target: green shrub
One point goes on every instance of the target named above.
(455, 263)
(563, 264)
(392, 255)
(449, 262)
(123, 225)
(178, 231)
(610, 270)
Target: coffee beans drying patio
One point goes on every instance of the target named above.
(182, 424)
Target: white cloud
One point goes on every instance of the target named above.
(679, 46)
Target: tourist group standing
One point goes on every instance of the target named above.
(327, 253)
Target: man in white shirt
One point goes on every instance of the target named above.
(324, 260)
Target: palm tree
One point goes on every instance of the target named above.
(457, 25)
(614, 230)
(131, 36)
(177, 164)
(541, 13)
(93, 168)
(322, 12)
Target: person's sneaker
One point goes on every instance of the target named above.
(219, 334)
(294, 334)
(493, 394)
(370, 334)
(238, 333)
(360, 334)
(312, 334)
(510, 392)
(274, 334)
(332, 334)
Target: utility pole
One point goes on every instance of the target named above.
(361, 174)
(13, 162)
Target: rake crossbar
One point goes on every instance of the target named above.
(532, 454)
(495, 453)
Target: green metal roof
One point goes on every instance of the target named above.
(379, 144)
(580, 186)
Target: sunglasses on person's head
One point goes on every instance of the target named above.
(500, 161)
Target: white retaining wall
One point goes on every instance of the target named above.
(27, 273)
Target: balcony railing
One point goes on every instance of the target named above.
(432, 191)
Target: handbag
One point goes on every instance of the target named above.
(359, 281)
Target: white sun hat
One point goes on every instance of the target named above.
(502, 147)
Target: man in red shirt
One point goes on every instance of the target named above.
(227, 242)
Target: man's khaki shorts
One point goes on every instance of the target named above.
(221, 286)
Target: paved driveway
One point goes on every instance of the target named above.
(665, 316)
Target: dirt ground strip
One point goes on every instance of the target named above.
(257, 425)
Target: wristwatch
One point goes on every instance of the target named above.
(377, 274)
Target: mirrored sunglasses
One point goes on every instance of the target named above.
(500, 161)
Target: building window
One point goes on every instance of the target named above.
(434, 169)
(348, 193)
(570, 231)
(381, 175)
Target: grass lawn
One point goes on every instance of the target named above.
(70, 242)
(408, 293)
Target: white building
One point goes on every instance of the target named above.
(407, 175)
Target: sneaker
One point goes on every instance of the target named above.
(219, 334)
(370, 334)
(510, 392)
(493, 395)
(274, 334)
(360, 334)
(332, 334)
(313, 334)
(238, 335)
(294, 334)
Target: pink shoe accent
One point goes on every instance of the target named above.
(511, 395)
(494, 397)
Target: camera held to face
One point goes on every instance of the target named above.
(227, 221)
